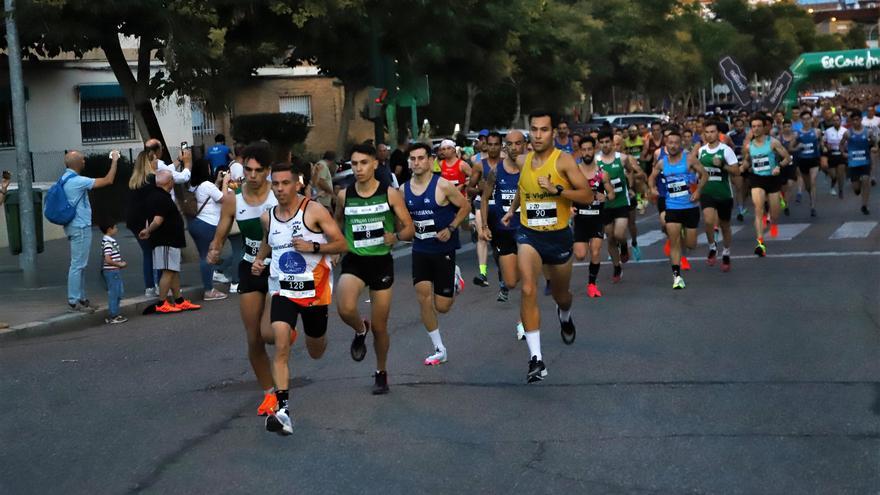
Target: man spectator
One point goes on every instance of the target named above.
(185, 162)
(79, 230)
(166, 234)
(398, 160)
(218, 155)
(383, 170)
(322, 180)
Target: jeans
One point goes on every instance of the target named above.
(151, 277)
(230, 264)
(203, 233)
(80, 243)
(115, 289)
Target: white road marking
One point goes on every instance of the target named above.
(827, 254)
(787, 231)
(854, 230)
(651, 237)
(701, 240)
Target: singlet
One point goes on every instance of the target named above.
(633, 147)
(543, 211)
(832, 139)
(737, 138)
(367, 220)
(487, 168)
(810, 142)
(453, 173)
(857, 148)
(718, 185)
(652, 147)
(593, 209)
(617, 175)
(304, 278)
(430, 218)
(568, 148)
(248, 218)
(506, 185)
(763, 158)
(678, 181)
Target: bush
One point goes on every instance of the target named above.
(280, 129)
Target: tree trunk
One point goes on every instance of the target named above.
(518, 108)
(136, 91)
(347, 116)
(472, 92)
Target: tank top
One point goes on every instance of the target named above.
(593, 209)
(430, 218)
(541, 210)
(248, 218)
(568, 148)
(763, 158)
(367, 220)
(487, 168)
(718, 185)
(810, 142)
(304, 278)
(678, 181)
(652, 147)
(833, 137)
(453, 173)
(506, 185)
(633, 147)
(857, 148)
(617, 176)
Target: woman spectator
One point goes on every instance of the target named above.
(209, 197)
(142, 180)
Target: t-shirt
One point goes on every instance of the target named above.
(109, 247)
(75, 188)
(170, 233)
(217, 156)
(398, 159)
(322, 173)
(208, 191)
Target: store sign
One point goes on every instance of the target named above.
(857, 61)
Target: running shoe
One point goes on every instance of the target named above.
(187, 305)
(865, 210)
(115, 320)
(359, 343)
(547, 290)
(567, 329)
(151, 292)
(439, 357)
(381, 384)
(774, 230)
(214, 295)
(167, 307)
(268, 406)
(725, 263)
(833, 191)
(503, 295)
(685, 264)
(666, 248)
(233, 288)
(520, 331)
(782, 203)
(220, 278)
(80, 308)
(677, 282)
(624, 256)
(761, 249)
(615, 278)
(712, 258)
(537, 370)
(797, 198)
(593, 291)
(280, 422)
(813, 212)
(637, 253)
(459, 281)
(481, 280)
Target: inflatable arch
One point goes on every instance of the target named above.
(823, 62)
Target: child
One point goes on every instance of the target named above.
(112, 264)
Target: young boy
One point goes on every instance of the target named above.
(112, 264)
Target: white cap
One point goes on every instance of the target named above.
(447, 142)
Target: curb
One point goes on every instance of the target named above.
(71, 322)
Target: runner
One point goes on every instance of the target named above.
(589, 221)
(367, 211)
(760, 157)
(298, 234)
(716, 199)
(616, 165)
(740, 182)
(254, 198)
(653, 143)
(549, 182)
(479, 171)
(808, 147)
(857, 144)
(437, 209)
(836, 158)
(685, 178)
(563, 141)
(787, 137)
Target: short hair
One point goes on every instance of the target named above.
(605, 134)
(588, 139)
(283, 167)
(544, 113)
(855, 114)
(329, 155)
(219, 138)
(807, 113)
(495, 134)
(364, 149)
(419, 146)
(106, 225)
(786, 121)
(657, 122)
(738, 119)
(561, 121)
(674, 132)
(260, 153)
(713, 122)
(757, 116)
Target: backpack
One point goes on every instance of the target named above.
(58, 209)
(186, 201)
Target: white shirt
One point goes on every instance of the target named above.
(873, 124)
(833, 137)
(236, 171)
(181, 177)
(207, 191)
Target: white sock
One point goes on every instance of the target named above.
(713, 247)
(725, 252)
(564, 314)
(435, 338)
(533, 339)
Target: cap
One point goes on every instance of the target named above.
(484, 132)
(447, 143)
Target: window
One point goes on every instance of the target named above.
(296, 104)
(104, 114)
(203, 121)
(7, 135)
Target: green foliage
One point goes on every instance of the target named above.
(277, 128)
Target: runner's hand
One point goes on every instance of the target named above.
(303, 246)
(505, 220)
(213, 257)
(390, 238)
(486, 234)
(695, 196)
(144, 235)
(257, 267)
(776, 170)
(444, 235)
(546, 185)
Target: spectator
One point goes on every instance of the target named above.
(398, 161)
(322, 181)
(236, 169)
(166, 234)
(209, 196)
(79, 230)
(229, 267)
(113, 262)
(141, 184)
(184, 162)
(219, 155)
(383, 170)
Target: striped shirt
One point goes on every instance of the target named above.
(110, 247)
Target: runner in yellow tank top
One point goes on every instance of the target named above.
(549, 182)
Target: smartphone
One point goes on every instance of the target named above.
(184, 146)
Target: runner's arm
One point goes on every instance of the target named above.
(746, 160)
(702, 176)
(652, 180)
(632, 166)
(474, 179)
(339, 215)
(264, 251)
(505, 220)
(459, 201)
(227, 216)
(781, 151)
(843, 143)
(580, 191)
(327, 224)
(609, 189)
(404, 220)
(488, 190)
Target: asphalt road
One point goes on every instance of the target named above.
(762, 380)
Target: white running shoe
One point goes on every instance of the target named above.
(459, 281)
(233, 288)
(280, 422)
(520, 331)
(220, 278)
(439, 357)
(833, 192)
(151, 292)
(677, 282)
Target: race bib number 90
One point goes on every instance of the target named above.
(541, 214)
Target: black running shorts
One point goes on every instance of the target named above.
(724, 207)
(504, 242)
(587, 227)
(769, 183)
(314, 317)
(377, 272)
(248, 282)
(688, 217)
(439, 269)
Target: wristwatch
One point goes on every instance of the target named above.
(559, 190)
(316, 247)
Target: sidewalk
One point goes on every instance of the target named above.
(34, 310)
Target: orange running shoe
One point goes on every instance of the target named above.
(593, 291)
(774, 230)
(186, 305)
(685, 264)
(268, 406)
(167, 307)
(666, 248)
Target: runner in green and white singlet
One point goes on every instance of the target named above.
(716, 200)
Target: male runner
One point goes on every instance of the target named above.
(787, 137)
(857, 144)
(254, 198)
(479, 171)
(808, 146)
(563, 141)
(740, 182)
(437, 209)
(836, 158)
(589, 220)
(653, 142)
(760, 157)
(299, 234)
(716, 199)
(369, 213)
(685, 179)
(549, 182)
(633, 145)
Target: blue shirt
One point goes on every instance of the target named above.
(75, 188)
(429, 218)
(218, 156)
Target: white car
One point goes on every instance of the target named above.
(620, 121)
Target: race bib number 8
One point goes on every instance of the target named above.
(251, 247)
(368, 234)
(617, 186)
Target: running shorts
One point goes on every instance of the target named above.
(805, 164)
(724, 207)
(613, 213)
(248, 282)
(504, 242)
(554, 246)
(439, 269)
(769, 183)
(314, 317)
(855, 174)
(377, 272)
(688, 217)
(588, 227)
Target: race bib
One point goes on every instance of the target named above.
(760, 164)
(541, 214)
(297, 285)
(507, 201)
(587, 212)
(677, 188)
(425, 229)
(368, 234)
(251, 247)
(714, 174)
(618, 187)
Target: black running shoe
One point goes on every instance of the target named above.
(503, 295)
(537, 370)
(739, 217)
(481, 280)
(813, 212)
(381, 385)
(787, 212)
(865, 210)
(566, 329)
(359, 344)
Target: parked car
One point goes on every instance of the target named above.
(623, 121)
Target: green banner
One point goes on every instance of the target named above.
(838, 61)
